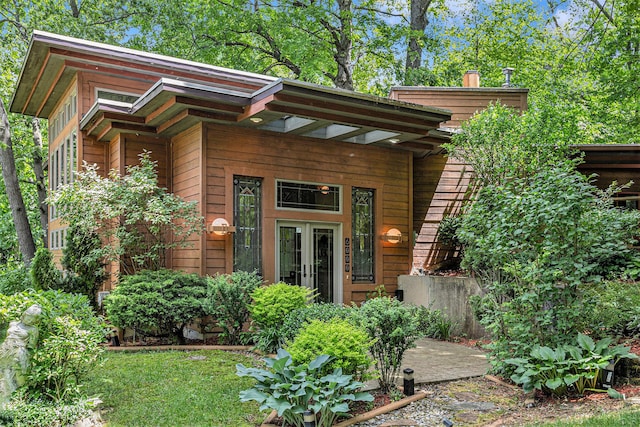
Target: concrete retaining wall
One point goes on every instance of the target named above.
(448, 294)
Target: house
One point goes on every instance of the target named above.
(610, 163)
(306, 184)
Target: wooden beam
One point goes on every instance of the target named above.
(53, 85)
(212, 105)
(255, 108)
(173, 121)
(164, 107)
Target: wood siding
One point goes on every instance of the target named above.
(186, 181)
(441, 184)
(463, 102)
(274, 156)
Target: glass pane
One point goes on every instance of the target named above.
(323, 267)
(247, 213)
(363, 230)
(319, 197)
(291, 255)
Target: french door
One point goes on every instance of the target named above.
(308, 256)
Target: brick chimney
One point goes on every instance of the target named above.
(471, 79)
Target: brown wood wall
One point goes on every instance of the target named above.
(271, 156)
(463, 102)
(441, 184)
(187, 182)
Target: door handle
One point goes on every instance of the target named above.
(304, 270)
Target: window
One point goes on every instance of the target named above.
(62, 164)
(319, 197)
(363, 233)
(111, 95)
(247, 217)
(63, 116)
(58, 239)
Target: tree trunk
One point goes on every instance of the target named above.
(343, 42)
(41, 184)
(417, 26)
(10, 175)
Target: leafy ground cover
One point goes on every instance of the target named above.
(174, 388)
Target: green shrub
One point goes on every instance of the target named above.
(301, 316)
(272, 303)
(448, 229)
(567, 367)
(68, 346)
(228, 299)
(25, 412)
(159, 302)
(44, 274)
(348, 345)
(291, 389)
(84, 270)
(434, 324)
(394, 328)
(270, 306)
(533, 243)
(14, 277)
(615, 308)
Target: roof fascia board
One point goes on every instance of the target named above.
(189, 89)
(147, 58)
(350, 96)
(458, 89)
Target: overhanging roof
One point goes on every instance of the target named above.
(182, 93)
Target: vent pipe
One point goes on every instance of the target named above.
(507, 76)
(471, 79)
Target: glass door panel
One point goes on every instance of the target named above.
(307, 257)
(323, 263)
(291, 255)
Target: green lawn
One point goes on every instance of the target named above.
(624, 418)
(173, 389)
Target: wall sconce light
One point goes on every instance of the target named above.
(393, 236)
(221, 227)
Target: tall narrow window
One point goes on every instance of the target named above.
(247, 213)
(363, 233)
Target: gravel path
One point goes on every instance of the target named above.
(463, 405)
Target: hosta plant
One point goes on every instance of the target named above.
(568, 367)
(291, 389)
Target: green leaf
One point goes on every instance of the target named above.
(615, 394)
(586, 342)
(553, 383)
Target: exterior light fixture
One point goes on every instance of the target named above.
(256, 119)
(394, 140)
(408, 382)
(220, 227)
(393, 236)
(309, 418)
(607, 376)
